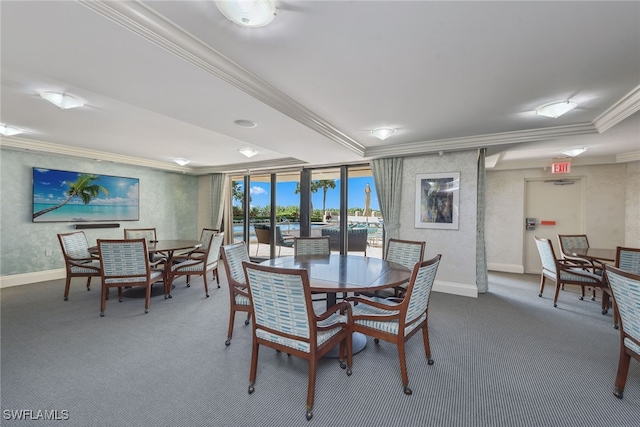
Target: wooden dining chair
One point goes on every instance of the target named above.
(125, 263)
(568, 243)
(406, 253)
(564, 272)
(150, 235)
(78, 261)
(196, 264)
(627, 259)
(233, 256)
(395, 320)
(625, 288)
(284, 319)
(316, 245)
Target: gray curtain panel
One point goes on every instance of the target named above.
(481, 257)
(218, 196)
(387, 175)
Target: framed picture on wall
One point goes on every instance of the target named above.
(437, 200)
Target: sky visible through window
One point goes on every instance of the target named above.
(261, 196)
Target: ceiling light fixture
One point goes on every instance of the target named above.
(556, 109)
(182, 162)
(62, 100)
(383, 133)
(245, 123)
(9, 130)
(248, 13)
(249, 152)
(572, 152)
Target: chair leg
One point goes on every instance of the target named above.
(232, 317)
(67, 284)
(311, 387)
(403, 367)
(623, 370)
(581, 297)
(542, 280)
(555, 295)
(206, 286)
(89, 283)
(103, 301)
(217, 276)
(147, 298)
(254, 366)
(427, 347)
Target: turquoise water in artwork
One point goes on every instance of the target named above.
(116, 198)
(82, 212)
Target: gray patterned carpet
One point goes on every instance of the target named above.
(507, 358)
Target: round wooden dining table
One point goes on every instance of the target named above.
(595, 254)
(346, 273)
(162, 246)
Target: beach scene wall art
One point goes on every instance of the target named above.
(67, 196)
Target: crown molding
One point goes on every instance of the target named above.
(546, 163)
(622, 109)
(628, 157)
(154, 27)
(24, 144)
(479, 141)
(287, 162)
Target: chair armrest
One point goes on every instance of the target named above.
(84, 263)
(372, 303)
(241, 291)
(158, 262)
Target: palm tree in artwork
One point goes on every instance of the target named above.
(83, 188)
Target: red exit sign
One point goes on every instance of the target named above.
(562, 167)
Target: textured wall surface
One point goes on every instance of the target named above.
(632, 207)
(606, 186)
(458, 247)
(168, 201)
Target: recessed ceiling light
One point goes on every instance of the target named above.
(382, 133)
(556, 109)
(182, 162)
(62, 100)
(572, 152)
(9, 130)
(248, 13)
(249, 152)
(245, 123)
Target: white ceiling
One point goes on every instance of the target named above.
(167, 79)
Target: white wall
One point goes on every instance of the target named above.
(607, 213)
(632, 207)
(457, 270)
(168, 201)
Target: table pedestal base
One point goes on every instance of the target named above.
(359, 341)
(157, 289)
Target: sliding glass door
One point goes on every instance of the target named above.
(339, 202)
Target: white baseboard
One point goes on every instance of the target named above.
(505, 268)
(35, 277)
(456, 289)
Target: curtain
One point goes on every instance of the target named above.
(217, 194)
(482, 281)
(387, 175)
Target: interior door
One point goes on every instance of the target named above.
(558, 208)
